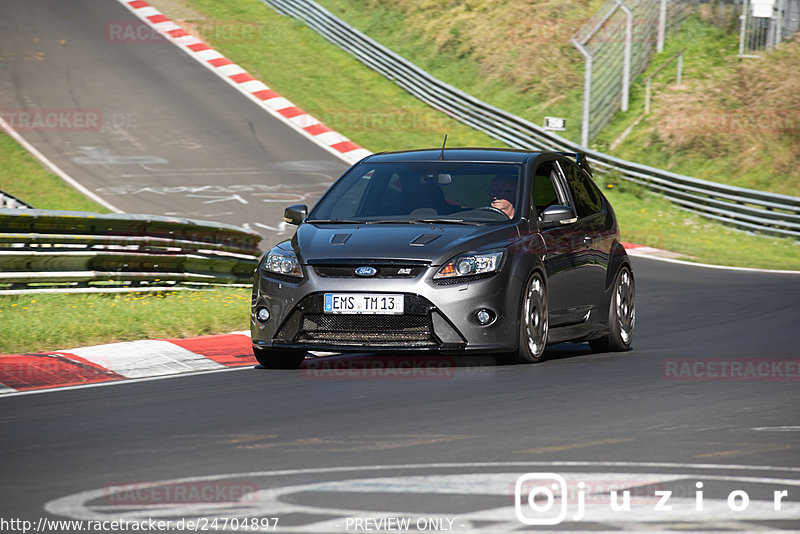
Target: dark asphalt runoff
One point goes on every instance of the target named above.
(362, 443)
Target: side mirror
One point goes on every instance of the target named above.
(295, 214)
(557, 215)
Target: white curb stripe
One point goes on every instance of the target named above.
(230, 70)
(137, 359)
(253, 86)
(208, 55)
(278, 103)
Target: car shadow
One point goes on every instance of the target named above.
(375, 361)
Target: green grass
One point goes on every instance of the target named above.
(22, 176)
(328, 83)
(31, 323)
(649, 219)
(707, 127)
(514, 54)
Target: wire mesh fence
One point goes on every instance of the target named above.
(616, 44)
(765, 23)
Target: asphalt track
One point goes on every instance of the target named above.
(344, 438)
(170, 137)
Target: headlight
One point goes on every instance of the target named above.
(471, 264)
(282, 262)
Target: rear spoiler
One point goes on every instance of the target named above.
(580, 159)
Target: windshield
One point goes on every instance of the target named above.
(442, 191)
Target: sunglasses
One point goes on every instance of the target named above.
(502, 193)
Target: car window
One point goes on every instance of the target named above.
(402, 191)
(348, 204)
(547, 187)
(587, 198)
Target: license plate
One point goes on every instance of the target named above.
(363, 303)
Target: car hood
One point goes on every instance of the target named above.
(434, 243)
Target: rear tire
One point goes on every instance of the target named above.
(533, 321)
(279, 359)
(621, 315)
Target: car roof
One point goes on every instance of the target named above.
(500, 155)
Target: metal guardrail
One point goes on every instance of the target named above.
(744, 208)
(12, 202)
(41, 247)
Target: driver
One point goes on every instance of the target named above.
(503, 192)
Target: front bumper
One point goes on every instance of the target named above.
(437, 317)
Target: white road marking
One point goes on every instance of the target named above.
(215, 199)
(716, 511)
(722, 267)
(102, 156)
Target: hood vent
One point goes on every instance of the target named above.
(340, 239)
(423, 239)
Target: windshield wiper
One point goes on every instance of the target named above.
(438, 221)
(336, 221)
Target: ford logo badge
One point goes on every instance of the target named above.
(366, 271)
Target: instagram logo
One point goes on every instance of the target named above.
(540, 491)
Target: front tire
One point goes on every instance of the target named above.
(279, 359)
(621, 315)
(533, 321)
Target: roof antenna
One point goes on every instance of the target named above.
(441, 156)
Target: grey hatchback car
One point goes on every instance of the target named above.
(457, 251)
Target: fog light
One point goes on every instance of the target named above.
(484, 317)
(262, 314)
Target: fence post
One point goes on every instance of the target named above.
(626, 66)
(587, 91)
(662, 22)
(742, 27)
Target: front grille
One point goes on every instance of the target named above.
(384, 271)
(365, 323)
(462, 279)
(376, 330)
